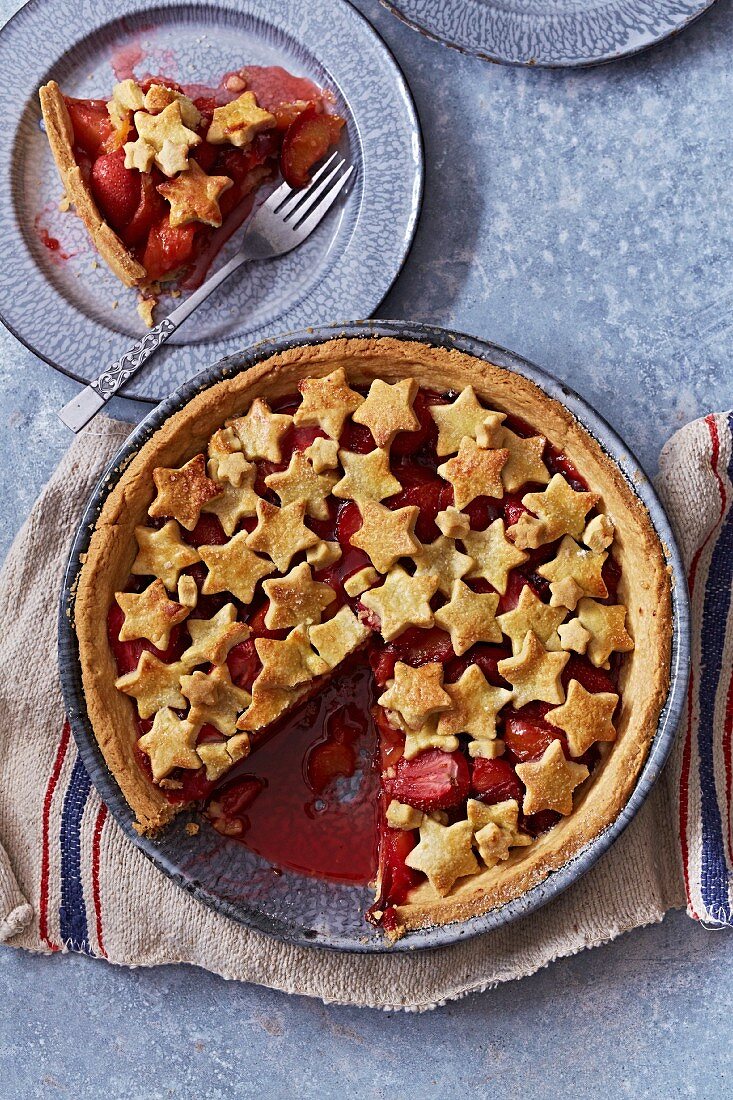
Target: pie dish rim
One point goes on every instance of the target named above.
(584, 854)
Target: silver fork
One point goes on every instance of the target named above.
(281, 224)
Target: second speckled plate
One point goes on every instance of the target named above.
(58, 300)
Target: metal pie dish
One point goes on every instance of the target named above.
(223, 873)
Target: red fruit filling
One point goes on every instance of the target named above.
(434, 780)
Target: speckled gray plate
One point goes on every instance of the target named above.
(548, 33)
(222, 872)
(62, 308)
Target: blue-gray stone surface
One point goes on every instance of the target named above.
(585, 220)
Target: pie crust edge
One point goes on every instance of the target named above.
(645, 589)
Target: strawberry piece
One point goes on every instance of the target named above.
(168, 249)
(127, 654)
(415, 647)
(244, 664)
(228, 811)
(116, 189)
(558, 463)
(611, 576)
(495, 781)
(433, 780)
(207, 532)
(592, 679)
(396, 879)
(513, 509)
(482, 511)
(328, 760)
(92, 125)
(486, 657)
(430, 493)
(356, 438)
(409, 443)
(150, 209)
(306, 141)
(527, 735)
(541, 822)
(515, 583)
(391, 740)
(348, 522)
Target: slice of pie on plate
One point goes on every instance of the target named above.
(162, 175)
(386, 514)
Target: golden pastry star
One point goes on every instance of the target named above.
(296, 598)
(211, 639)
(366, 477)
(338, 637)
(599, 533)
(162, 554)
(559, 510)
(139, 155)
(280, 532)
(402, 816)
(444, 853)
(452, 523)
(323, 454)
(288, 663)
(388, 410)
(495, 829)
(194, 196)
(585, 717)
(170, 744)
(261, 431)
(534, 673)
(443, 560)
(469, 617)
(358, 582)
(150, 614)
(301, 482)
(233, 568)
(608, 634)
(524, 464)
(223, 444)
(475, 705)
(268, 703)
(386, 534)
(322, 554)
(550, 781)
(416, 693)
(574, 562)
(493, 554)
(237, 499)
(427, 737)
(474, 472)
(218, 756)
(460, 420)
(532, 614)
(238, 122)
(327, 402)
(158, 96)
(182, 493)
(165, 127)
(401, 601)
(153, 685)
(214, 699)
(565, 593)
(573, 635)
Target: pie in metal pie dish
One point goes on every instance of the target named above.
(370, 542)
(162, 175)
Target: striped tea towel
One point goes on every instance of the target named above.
(69, 880)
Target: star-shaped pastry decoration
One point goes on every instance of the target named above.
(238, 122)
(388, 410)
(558, 510)
(338, 637)
(237, 499)
(366, 476)
(323, 454)
(401, 816)
(469, 617)
(182, 493)
(301, 482)
(493, 554)
(427, 737)
(565, 593)
(211, 639)
(606, 625)
(361, 580)
(171, 743)
(323, 554)
(386, 534)
(474, 472)
(416, 693)
(139, 155)
(281, 532)
(214, 699)
(495, 829)
(219, 756)
(153, 685)
(573, 636)
(261, 431)
(444, 854)
(194, 196)
(158, 97)
(585, 717)
(462, 419)
(452, 523)
(162, 553)
(268, 703)
(150, 614)
(296, 598)
(532, 614)
(575, 563)
(127, 94)
(475, 705)
(534, 673)
(599, 533)
(166, 129)
(223, 446)
(443, 560)
(234, 568)
(289, 663)
(327, 402)
(525, 464)
(550, 781)
(401, 601)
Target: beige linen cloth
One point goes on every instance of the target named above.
(137, 917)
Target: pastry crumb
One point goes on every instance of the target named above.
(145, 307)
(192, 828)
(115, 304)
(64, 204)
(94, 265)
